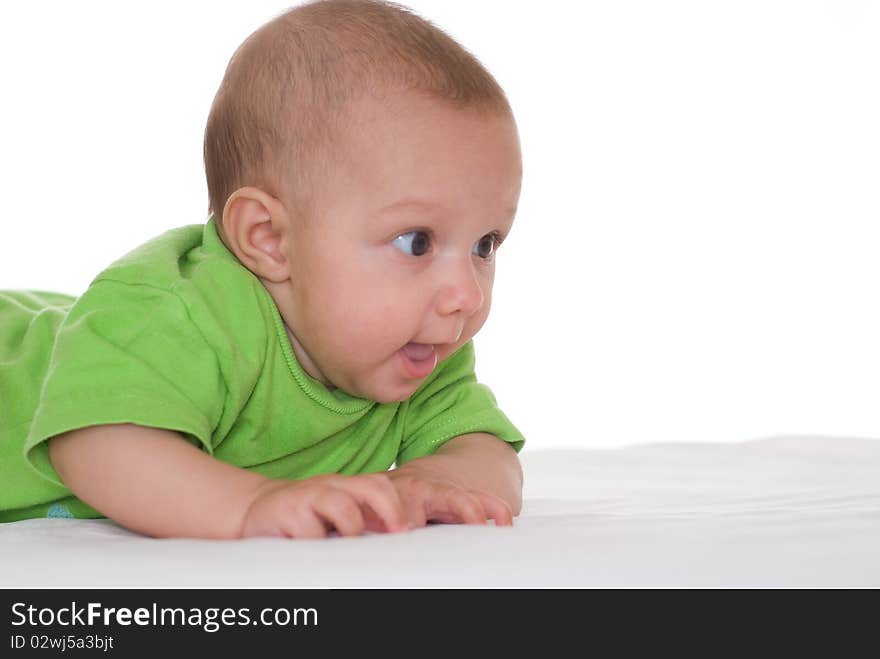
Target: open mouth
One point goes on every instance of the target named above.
(418, 359)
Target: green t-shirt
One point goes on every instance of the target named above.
(179, 335)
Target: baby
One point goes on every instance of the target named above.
(260, 374)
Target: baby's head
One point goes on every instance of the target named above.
(365, 167)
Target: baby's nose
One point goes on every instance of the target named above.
(461, 292)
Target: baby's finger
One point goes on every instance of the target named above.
(377, 492)
(465, 507)
(496, 508)
(371, 521)
(414, 513)
(341, 511)
(414, 509)
(303, 523)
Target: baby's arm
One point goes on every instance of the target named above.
(469, 479)
(154, 482)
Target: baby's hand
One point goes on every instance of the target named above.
(430, 497)
(310, 508)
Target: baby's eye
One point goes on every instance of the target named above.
(415, 243)
(485, 246)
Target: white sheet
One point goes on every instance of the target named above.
(788, 511)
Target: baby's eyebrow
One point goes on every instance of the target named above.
(408, 202)
(426, 204)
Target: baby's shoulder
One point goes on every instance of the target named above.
(160, 262)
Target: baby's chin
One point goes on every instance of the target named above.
(388, 395)
(384, 392)
(386, 382)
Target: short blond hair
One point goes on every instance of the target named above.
(287, 86)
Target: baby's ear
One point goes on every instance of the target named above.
(254, 224)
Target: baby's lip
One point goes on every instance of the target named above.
(419, 351)
(418, 360)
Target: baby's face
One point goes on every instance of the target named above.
(394, 271)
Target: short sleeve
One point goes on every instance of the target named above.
(127, 353)
(452, 403)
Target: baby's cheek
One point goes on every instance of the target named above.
(475, 323)
(480, 317)
(367, 335)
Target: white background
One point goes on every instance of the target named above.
(696, 252)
